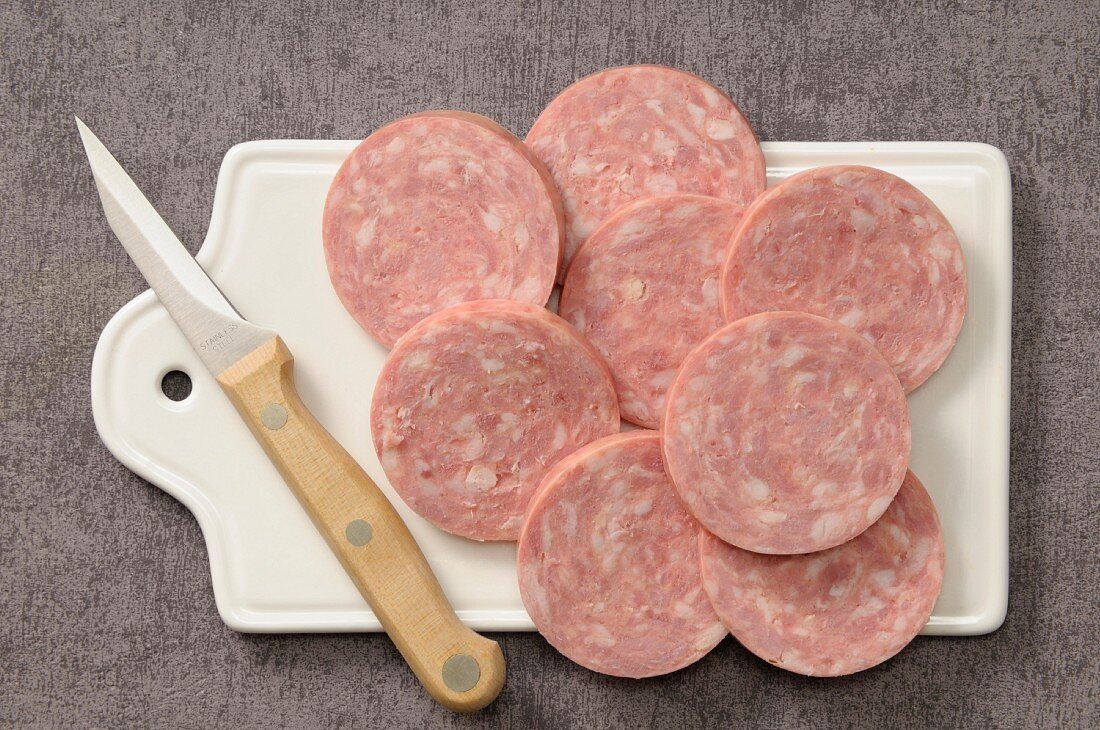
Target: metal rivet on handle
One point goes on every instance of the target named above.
(359, 532)
(273, 416)
(461, 672)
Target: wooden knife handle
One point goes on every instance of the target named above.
(461, 669)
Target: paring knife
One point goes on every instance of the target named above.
(461, 669)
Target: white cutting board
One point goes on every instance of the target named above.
(272, 571)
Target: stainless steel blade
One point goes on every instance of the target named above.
(218, 333)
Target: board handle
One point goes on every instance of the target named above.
(460, 669)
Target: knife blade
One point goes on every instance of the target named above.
(460, 669)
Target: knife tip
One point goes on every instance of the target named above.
(87, 137)
(81, 127)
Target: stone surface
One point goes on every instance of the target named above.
(108, 618)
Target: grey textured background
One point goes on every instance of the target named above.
(108, 616)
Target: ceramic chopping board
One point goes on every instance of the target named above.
(272, 572)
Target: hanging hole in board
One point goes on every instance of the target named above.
(176, 385)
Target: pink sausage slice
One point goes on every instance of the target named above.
(635, 131)
(644, 290)
(436, 209)
(862, 247)
(838, 611)
(786, 433)
(474, 405)
(608, 562)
